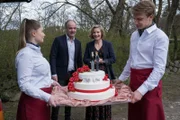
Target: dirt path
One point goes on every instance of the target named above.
(171, 101)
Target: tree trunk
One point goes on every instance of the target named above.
(175, 43)
(169, 5)
(159, 12)
(127, 21)
(170, 17)
(117, 20)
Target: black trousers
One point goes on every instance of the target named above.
(55, 110)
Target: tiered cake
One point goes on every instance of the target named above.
(90, 85)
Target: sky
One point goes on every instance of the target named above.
(35, 4)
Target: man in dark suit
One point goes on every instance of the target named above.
(65, 58)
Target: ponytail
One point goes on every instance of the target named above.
(25, 31)
(22, 32)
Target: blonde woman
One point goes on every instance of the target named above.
(33, 74)
(106, 55)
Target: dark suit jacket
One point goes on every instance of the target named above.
(108, 56)
(59, 58)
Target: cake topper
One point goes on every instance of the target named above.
(92, 61)
(97, 61)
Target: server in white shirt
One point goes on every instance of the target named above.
(33, 74)
(146, 65)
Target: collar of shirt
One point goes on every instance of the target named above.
(148, 30)
(38, 49)
(142, 30)
(151, 29)
(67, 37)
(33, 44)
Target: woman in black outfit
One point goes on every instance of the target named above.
(106, 59)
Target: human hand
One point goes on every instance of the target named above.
(117, 83)
(53, 100)
(55, 83)
(136, 96)
(55, 78)
(101, 60)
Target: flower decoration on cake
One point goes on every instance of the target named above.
(111, 86)
(105, 77)
(75, 74)
(71, 86)
(84, 68)
(116, 92)
(75, 77)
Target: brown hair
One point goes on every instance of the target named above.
(101, 29)
(146, 7)
(25, 31)
(66, 23)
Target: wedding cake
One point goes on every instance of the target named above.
(90, 85)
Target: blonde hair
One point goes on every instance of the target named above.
(146, 7)
(101, 29)
(25, 31)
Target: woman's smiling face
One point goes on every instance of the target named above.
(97, 35)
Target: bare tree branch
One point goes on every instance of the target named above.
(5, 26)
(95, 21)
(110, 7)
(54, 12)
(69, 3)
(97, 5)
(50, 4)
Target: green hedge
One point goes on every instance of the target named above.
(8, 47)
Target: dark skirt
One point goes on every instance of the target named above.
(150, 106)
(98, 112)
(30, 108)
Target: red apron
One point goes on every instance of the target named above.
(1, 111)
(150, 106)
(30, 108)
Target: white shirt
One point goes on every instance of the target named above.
(147, 51)
(71, 53)
(33, 72)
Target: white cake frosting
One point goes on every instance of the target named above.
(92, 87)
(93, 96)
(92, 77)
